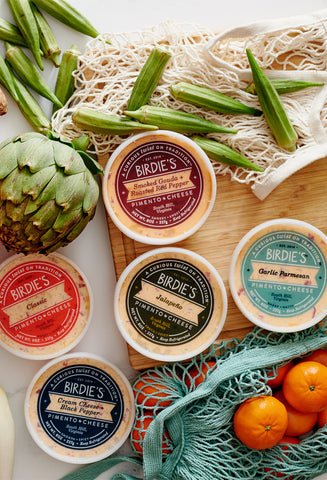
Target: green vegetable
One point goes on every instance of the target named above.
(48, 43)
(100, 122)
(272, 107)
(25, 21)
(31, 109)
(148, 77)
(6, 79)
(208, 98)
(10, 33)
(28, 73)
(65, 13)
(287, 86)
(7, 438)
(222, 153)
(65, 85)
(47, 193)
(175, 120)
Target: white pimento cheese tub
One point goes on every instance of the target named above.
(46, 305)
(79, 408)
(278, 275)
(170, 304)
(159, 187)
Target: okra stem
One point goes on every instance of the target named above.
(48, 43)
(65, 84)
(25, 20)
(222, 153)
(272, 107)
(177, 121)
(99, 122)
(287, 86)
(10, 33)
(67, 14)
(148, 77)
(211, 99)
(28, 72)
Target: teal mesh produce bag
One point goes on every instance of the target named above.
(189, 430)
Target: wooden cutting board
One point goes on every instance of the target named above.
(303, 196)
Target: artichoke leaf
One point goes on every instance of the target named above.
(47, 194)
(12, 186)
(77, 229)
(16, 212)
(70, 191)
(91, 193)
(67, 219)
(45, 217)
(32, 233)
(92, 165)
(67, 158)
(25, 137)
(8, 159)
(7, 141)
(35, 154)
(36, 182)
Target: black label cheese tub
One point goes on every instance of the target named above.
(170, 304)
(278, 275)
(79, 408)
(46, 305)
(159, 188)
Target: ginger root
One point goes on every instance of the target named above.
(3, 103)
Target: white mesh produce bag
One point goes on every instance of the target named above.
(292, 48)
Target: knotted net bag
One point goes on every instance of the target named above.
(287, 48)
(191, 436)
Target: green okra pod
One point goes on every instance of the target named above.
(286, 86)
(25, 21)
(65, 84)
(67, 14)
(272, 107)
(210, 99)
(48, 42)
(28, 72)
(222, 153)
(10, 33)
(100, 122)
(6, 79)
(148, 77)
(176, 120)
(31, 109)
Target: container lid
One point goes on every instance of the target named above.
(159, 187)
(46, 305)
(170, 304)
(79, 408)
(278, 275)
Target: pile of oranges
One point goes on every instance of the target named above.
(298, 405)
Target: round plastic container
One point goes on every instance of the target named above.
(159, 187)
(46, 305)
(79, 408)
(278, 275)
(170, 304)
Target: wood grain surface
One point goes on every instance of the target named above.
(302, 196)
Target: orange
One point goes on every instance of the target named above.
(149, 393)
(281, 372)
(139, 431)
(319, 356)
(287, 439)
(299, 423)
(199, 373)
(305, 386)
(260, 422)
(322, 418)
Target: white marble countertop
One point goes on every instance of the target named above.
(92, 251)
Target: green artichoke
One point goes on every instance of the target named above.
(48, 192)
